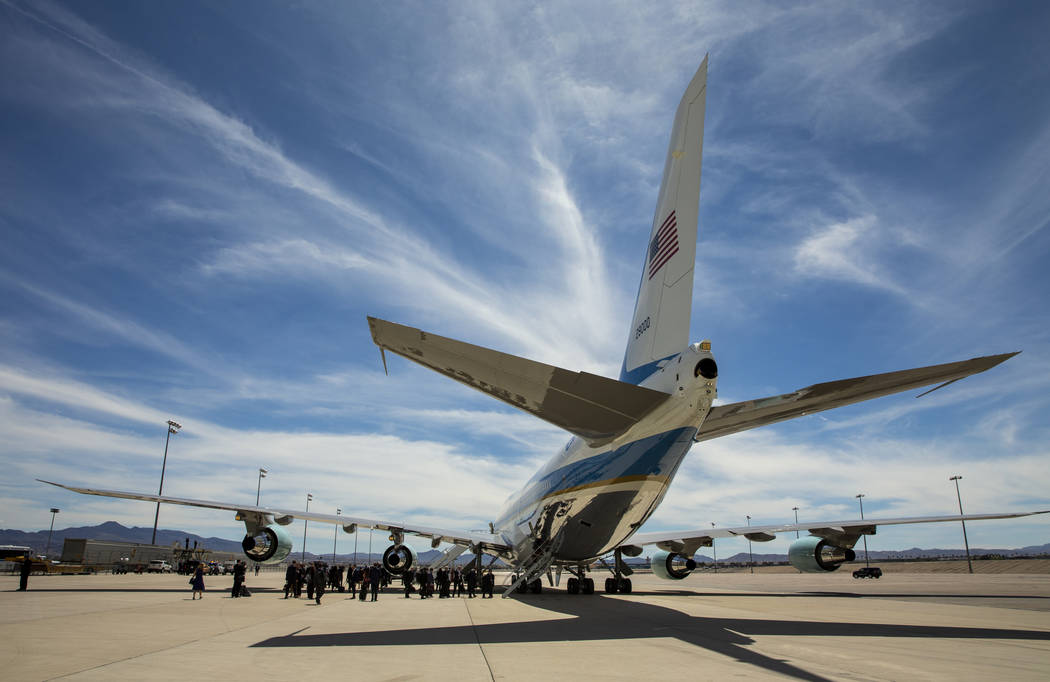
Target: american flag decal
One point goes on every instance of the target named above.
(664, 245)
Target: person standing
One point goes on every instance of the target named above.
(239, 569)
(407, 578)
(421, 578)
(319, 583)
(23, 574)
(375, 577)
(197, 581)
(472, 582)
(443, 583)
(290, 578)
(311, 576)
(488, 582)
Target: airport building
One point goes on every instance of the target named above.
(106, 553)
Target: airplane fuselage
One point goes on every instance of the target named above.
(588, 500)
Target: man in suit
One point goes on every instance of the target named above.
(488, 582)
(239, 570)
(375, 576)
(319, 582)
(23, 574)
(472, 582)
(291, 578)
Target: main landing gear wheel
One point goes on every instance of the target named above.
(536, 586)
(625, 586)
(610, 586)
(587, 586)
(572, 586)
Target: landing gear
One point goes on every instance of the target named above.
(618, 583)
(536, 586)
(580, 585)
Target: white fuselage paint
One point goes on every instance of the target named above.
(639, 465)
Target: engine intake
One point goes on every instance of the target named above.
(671, 566)
(268, 546)
(817, 555)
(398, 558)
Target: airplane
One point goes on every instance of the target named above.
(629, 436)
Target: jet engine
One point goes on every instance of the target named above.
(398, 558)
(815, 555)
(269, 545)
(671, 566)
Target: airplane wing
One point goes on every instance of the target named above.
(487, 541)
(723, 420)
(592, 407)
(842, 533)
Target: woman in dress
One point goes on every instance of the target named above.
(198, 581)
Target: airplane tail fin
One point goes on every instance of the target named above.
(660, 327)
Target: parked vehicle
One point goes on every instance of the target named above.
(868, 572)
(158, 566)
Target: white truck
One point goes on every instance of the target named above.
(158, 566)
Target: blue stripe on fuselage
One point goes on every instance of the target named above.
(657, 455)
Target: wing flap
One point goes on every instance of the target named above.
(723, 420)
(593, 407)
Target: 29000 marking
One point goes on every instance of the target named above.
(641, 328)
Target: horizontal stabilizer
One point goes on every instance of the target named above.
(723, 420)
(595, 408)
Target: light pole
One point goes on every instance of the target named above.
(306, 523)
(173, 427)
(55, 510)
(963, 521)
(860, 498)
(713, 550)
(335, 537)
(750, 555)
(795, 509)
(258, 488)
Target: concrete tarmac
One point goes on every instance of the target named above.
(809, 627)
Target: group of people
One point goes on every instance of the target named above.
(450, 582)
(317, 576)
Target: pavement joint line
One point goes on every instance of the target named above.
(474, 629)
(175, 646)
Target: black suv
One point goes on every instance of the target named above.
(868, 572)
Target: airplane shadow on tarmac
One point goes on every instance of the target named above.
(610, 618)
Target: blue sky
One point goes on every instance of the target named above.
(202, 202)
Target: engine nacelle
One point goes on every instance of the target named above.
(268, 546)
(671, 566)
(398, 558)
(817, 555)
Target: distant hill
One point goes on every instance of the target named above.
(115, 532)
